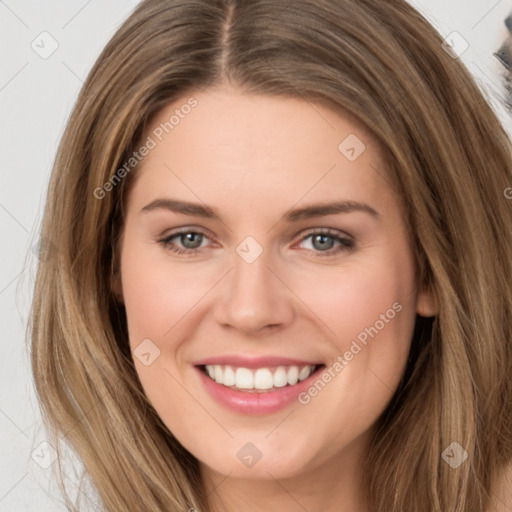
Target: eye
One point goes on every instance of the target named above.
(326, 242)
(185, 241)
(323, 242)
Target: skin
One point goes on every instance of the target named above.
(253, 158)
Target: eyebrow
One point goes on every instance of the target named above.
(307, 212)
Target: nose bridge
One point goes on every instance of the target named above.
(252, 278)
(253, 298)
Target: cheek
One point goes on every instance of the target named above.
(369, 314)
(157, 295)
(351, 299)
(159, 299)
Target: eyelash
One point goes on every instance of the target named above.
(346, 244)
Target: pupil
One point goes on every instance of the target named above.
(193, 238)
(322, 239)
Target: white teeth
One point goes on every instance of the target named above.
(244, 379)
(263, 379)
(304, 373)
(260, 379)
(228, 377)
(293, 375)
(280, 377)
(218, 373)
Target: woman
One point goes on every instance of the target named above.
(283, 273)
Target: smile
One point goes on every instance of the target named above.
(266, 379)
(256, 386)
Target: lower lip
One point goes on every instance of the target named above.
(265, 402)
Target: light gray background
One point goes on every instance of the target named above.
(36, 97)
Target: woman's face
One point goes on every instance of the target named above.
(263, 242)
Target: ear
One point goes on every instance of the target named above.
(426, 304)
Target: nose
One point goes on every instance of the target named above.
(254, 299)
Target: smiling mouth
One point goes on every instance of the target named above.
(259, 380)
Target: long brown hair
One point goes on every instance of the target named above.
(449, 160)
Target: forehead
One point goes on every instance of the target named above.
(232, 148)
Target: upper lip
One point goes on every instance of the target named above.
(253, 362)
